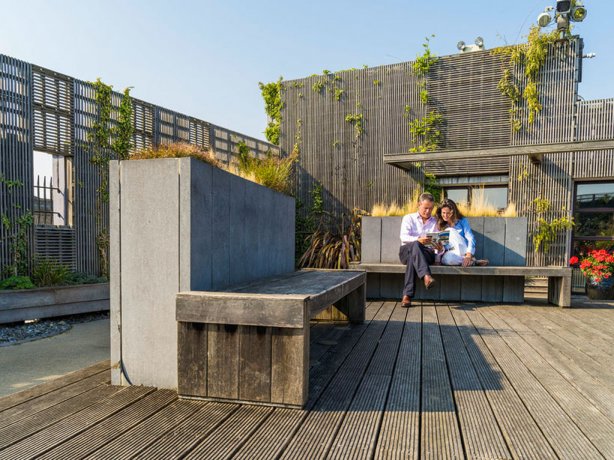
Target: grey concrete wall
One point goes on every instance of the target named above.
(180, 225)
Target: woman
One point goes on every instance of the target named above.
(460, 249)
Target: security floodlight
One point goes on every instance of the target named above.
(460, 45)
(578, 13)
(544, 19)
(563, 6)
(562, 22)
(479, 41)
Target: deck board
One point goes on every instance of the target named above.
(435, 381)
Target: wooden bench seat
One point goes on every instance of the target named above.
(503, 241)
(464, 283)
(250, 343)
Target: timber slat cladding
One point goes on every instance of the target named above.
(523, 382)
(59, 383)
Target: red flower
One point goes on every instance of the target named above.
(573, 261)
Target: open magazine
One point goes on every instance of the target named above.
(442, 238)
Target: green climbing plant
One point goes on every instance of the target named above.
(529, 58)
(547, 229)
(355, 119)
(108, 142)
(273, 104)
(425, 132)
(17, 229)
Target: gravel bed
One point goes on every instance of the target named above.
(16, 333)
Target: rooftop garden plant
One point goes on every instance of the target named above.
(596, 266)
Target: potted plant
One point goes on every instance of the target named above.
(598, 268)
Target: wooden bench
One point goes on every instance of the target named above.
(501, 240)
(251, 343)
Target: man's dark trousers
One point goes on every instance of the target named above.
(417, 258)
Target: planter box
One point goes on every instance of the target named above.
(47, 302)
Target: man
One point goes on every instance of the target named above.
(413, 251)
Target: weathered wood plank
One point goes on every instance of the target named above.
(144, 434)
(222, 361)
(192, 359)
(358, 433)
(440, 436)
(53, 435)
(255, 363)
(564, 436)
(44, 388)
(482, 437)
(523, 436)
(597, 427)
(353, 304)
(48, 400)
(109, 429)
(36, 422)
(471, 288)
(229, 436)
(289, 366)
(399, 432)
(318, 429)
(175, 443)
(481, 271)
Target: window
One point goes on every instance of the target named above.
(489, 190)
(52, 189)
(594, 217)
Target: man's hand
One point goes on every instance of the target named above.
(424, 239)
(467, 260)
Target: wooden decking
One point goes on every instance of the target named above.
(435, 381)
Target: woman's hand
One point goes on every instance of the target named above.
(467, 260)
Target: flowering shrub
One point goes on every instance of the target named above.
(596, 266)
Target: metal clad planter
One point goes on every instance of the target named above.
(21, 305)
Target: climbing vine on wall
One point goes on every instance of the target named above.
(426, 134)
(271, 93)
(108, 142)
(530, 58)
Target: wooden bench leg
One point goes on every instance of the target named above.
(559, 291)
(353, 304)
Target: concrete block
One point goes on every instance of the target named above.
(494, 240)
(515, 241)
(371, 244)
(391, 229)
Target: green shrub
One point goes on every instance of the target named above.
(84, 278)
(17, 282)
(47, 272)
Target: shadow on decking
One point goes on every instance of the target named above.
(404, 366)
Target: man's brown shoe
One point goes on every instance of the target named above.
(406, 302)
(428, 283)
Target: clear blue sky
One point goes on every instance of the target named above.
(205, 58)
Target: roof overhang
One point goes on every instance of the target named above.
(534, 151)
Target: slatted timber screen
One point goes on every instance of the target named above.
(225, 144)
(43, 110)
(16, 187)
(349, 163)
(55, 243)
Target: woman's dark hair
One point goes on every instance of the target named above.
(457, 215)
